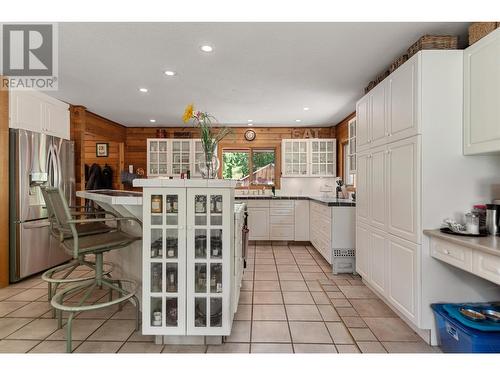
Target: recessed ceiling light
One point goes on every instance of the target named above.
(250, 124)
(306, 108)
(298, 120)
(169, 73)
(250, 120)
(206, 48)
(143, 89)
(152, 120)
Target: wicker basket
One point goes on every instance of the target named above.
(382, 76)
(480, 29)
(398, 62)
(370, 86)
(433, 42)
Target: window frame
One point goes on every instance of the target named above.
(248, 148)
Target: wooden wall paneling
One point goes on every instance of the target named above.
(342, 135)
(77, 133)
(87, 129)
(135, 145)
(4, 190)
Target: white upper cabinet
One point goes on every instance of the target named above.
(402, 101)
(37, 112)
(362, 123)
(181, 156)
(482, 96)
(295, 157)
(323, 155)
(171, 157)
(378, 114)
(403, 189)
(308, 157)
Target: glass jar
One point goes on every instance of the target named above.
(472, 223)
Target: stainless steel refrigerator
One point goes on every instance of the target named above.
(36, 159)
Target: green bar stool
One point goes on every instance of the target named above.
(60, 275)
(96, 245)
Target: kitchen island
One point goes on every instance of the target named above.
(185, 262)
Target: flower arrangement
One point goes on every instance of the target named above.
(209, 139)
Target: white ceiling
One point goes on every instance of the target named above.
(266, 72)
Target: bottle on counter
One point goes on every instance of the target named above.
(480, 211)
(188, 174)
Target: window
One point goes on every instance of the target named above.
(349, 176)
(250, 167)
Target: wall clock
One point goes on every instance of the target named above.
(250, 135)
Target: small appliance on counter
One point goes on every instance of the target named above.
(481, 221)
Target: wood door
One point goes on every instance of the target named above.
(258, 223)
(378, 260)
(362, 123)
(482, 96)
(403, 189)
(363, 187)
(402, 272)
(402, 103)
(363, 251)
(377, 188)
(378, 114)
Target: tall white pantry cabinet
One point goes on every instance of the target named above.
(411, 174)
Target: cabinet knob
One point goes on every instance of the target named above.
(369, 141)
(390, 134)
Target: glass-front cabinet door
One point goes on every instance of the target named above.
(295, 155)
(157, 157)
(181, 156)
(164, 259)
(209, 229)
(323, 157)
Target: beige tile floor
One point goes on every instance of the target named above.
(290, 303)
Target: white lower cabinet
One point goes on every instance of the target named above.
(301, 222)
(258, 223)
(378, 260)
(377, 189)
(363, 251)
(402, 271)
(188, 241)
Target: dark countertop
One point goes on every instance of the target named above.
(327, 201)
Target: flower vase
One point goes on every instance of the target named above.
(209, 166)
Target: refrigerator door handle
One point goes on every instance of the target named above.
(59, 167)
(36, 225)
